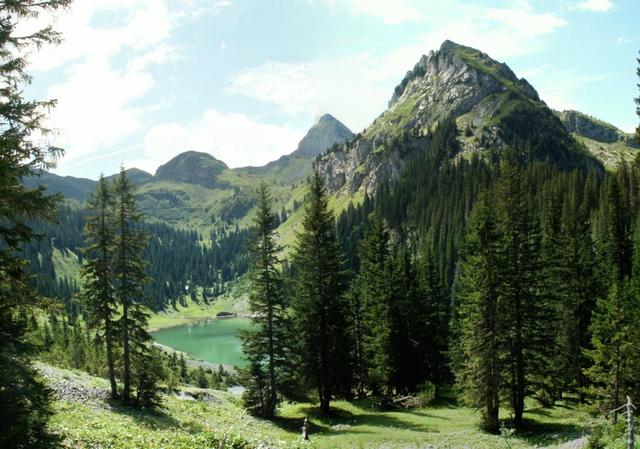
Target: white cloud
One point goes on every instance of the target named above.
(108, 49)
(232, 138)
(624, 40)
(395, 12)
(94, 108)
(595, 5)
(560, 88)
(356, 88)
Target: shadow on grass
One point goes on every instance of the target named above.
(545, 433)
(155, 419)
(346, 422)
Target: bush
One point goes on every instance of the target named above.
(595, 438)
(426, 394)
(424, 397)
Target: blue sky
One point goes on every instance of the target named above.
(139, 81)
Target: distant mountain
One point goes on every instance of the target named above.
(602, 139)
(136, 175)
(72, 188)
(327, 132)
(196, 190)
(294, 167)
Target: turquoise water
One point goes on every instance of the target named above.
(214, 341)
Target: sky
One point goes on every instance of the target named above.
(140, 81)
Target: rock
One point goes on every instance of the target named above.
(582, 124)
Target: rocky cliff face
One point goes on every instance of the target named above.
(493, 108)
(324, 134)
(586, 126)
(593, 128)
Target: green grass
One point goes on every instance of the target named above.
(392, 122)
(233, 301)
(357, 424)
(180, 424)
(203, 423)
(66, 264)
(287, 230)
(610, 154)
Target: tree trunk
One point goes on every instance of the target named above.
(273, 394)
(126, 355)
(519, 389)
(112, 374)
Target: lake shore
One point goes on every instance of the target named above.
(194, 312)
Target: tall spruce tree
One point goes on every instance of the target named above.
(320, 308)
(435, 314)
(525, 309)
(129, 280)
(265, 346)
(25, 400)
(638, 102)
(373, 296)
(97, 272)
(479, 365)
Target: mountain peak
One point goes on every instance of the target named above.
(325, 133)
(192, 167)
(464, 66)
(448, 45)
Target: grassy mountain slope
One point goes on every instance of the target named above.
(201, 418)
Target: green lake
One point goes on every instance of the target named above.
(214, 341)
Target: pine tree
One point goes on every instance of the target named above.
(525, 309)
(25, 400)
(130, 277)
(432, 313)
(638, 103)
(319, 305)
(373, 296)
(615, 354)
(266, 345)
(480, 356)
(403, 352)
(97, 273)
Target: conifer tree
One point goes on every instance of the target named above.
(373, 282)
(130, 277)
(638, 102)
(525, 309)
(265, 345)
(615, 354)
(25, 400)
(480, 363)
(97, 272)
(403, 351)
(319, 304)
(432, 329)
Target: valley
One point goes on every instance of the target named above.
(463, 272)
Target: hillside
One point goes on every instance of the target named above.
(194, 190)
(196, 418)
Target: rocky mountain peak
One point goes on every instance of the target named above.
(468, 71)
(491, 106)
(325, 133)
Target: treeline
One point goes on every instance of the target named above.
(180, 262)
